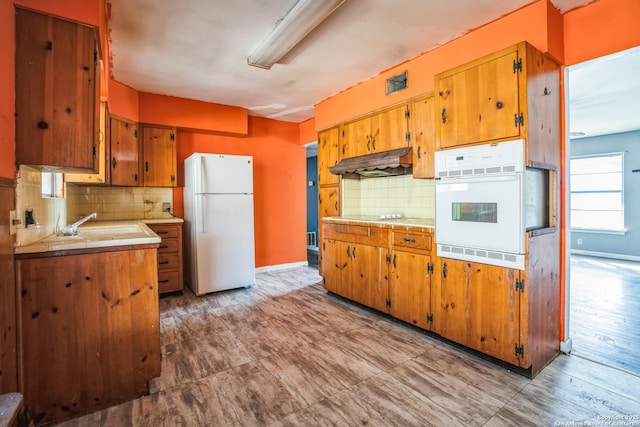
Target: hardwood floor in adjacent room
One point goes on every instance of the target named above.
(605, 311)
(285, 353)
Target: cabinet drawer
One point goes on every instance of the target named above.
(168, 261)
(364, 234)
(168, 246)
(169, 281)
(412, 240)
(165, 232)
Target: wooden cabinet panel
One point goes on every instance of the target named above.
(423, 136)
(389, 129)
(481, 308)
(124, 159)
(334, 267)
(328, 201)
(381, 131)
(328, 153)
(170, 257)
(479, 103)
(56, 92)
(415, 241)
(101, 177)
(87, 341)
(159, 156)
(8, 321)
(368, 275)
(410, 288)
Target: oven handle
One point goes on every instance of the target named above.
(465, 180)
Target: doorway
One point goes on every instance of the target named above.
(312, 204)
(603, 232)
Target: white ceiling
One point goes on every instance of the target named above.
(197, 49)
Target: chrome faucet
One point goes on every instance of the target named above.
(72, 230)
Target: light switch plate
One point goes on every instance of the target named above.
(13, 222)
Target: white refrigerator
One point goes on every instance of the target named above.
(218, 210)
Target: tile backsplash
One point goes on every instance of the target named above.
(412, 198)
(116, 203)
(48, 213)
(110, 203)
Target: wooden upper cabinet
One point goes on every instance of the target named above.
(328, 149)
(159, 156)
(102, 176)
(382, 131)
(390, 129)
(124, 161)
(423, 136)
(480, 101)
(56, 92)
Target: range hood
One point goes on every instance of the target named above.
(385, 163)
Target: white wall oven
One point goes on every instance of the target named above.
(480, 203)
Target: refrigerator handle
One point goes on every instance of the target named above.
(199, 213)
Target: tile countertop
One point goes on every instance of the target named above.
(100, 234)
(401, 222)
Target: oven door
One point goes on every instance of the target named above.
(481, 213)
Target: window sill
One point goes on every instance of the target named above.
(596, 231)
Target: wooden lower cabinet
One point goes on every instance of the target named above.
(410, 288)
(170, 265)
(359, 265)
(87, 340)
(481, 309)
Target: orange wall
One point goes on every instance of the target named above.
(279, 184)
(7, 89)
(308, 131)
(601, 28)
(123, 101)
(189, 114)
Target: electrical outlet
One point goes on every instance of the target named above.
(579, 241)
(166, 207)
(13, 222)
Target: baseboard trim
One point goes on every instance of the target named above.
(279, 267)
(605, 255)
(566, 346)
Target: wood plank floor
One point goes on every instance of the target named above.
(285, 353)
(605, 311)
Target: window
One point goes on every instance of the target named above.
(597, 201)
(52, 185)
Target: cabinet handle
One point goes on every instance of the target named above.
(146, 166)
(43, 125)
(113, 162)
(161, 232)
(373, 144)
(348, 251)
(368, 145)
(418, 151)
(163, 281)
(353, 252)
(163, 262)
(395, 256)
(336, 205)
(163, 247)
(407, 239)
(444, 270)
(444, 118)
(135, 177)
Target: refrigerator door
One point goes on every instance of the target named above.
(224, 174)
(224, 242)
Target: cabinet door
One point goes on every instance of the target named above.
(356, 138)
(368, 275)
(335, 267)
(423, 136)
(481, 308)
(328, 201)
(125, 161)
(101, 154)
(159, 156)
(56, 87)
(328, 149)
(389, 129)
(410, 288)
(479, 103)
